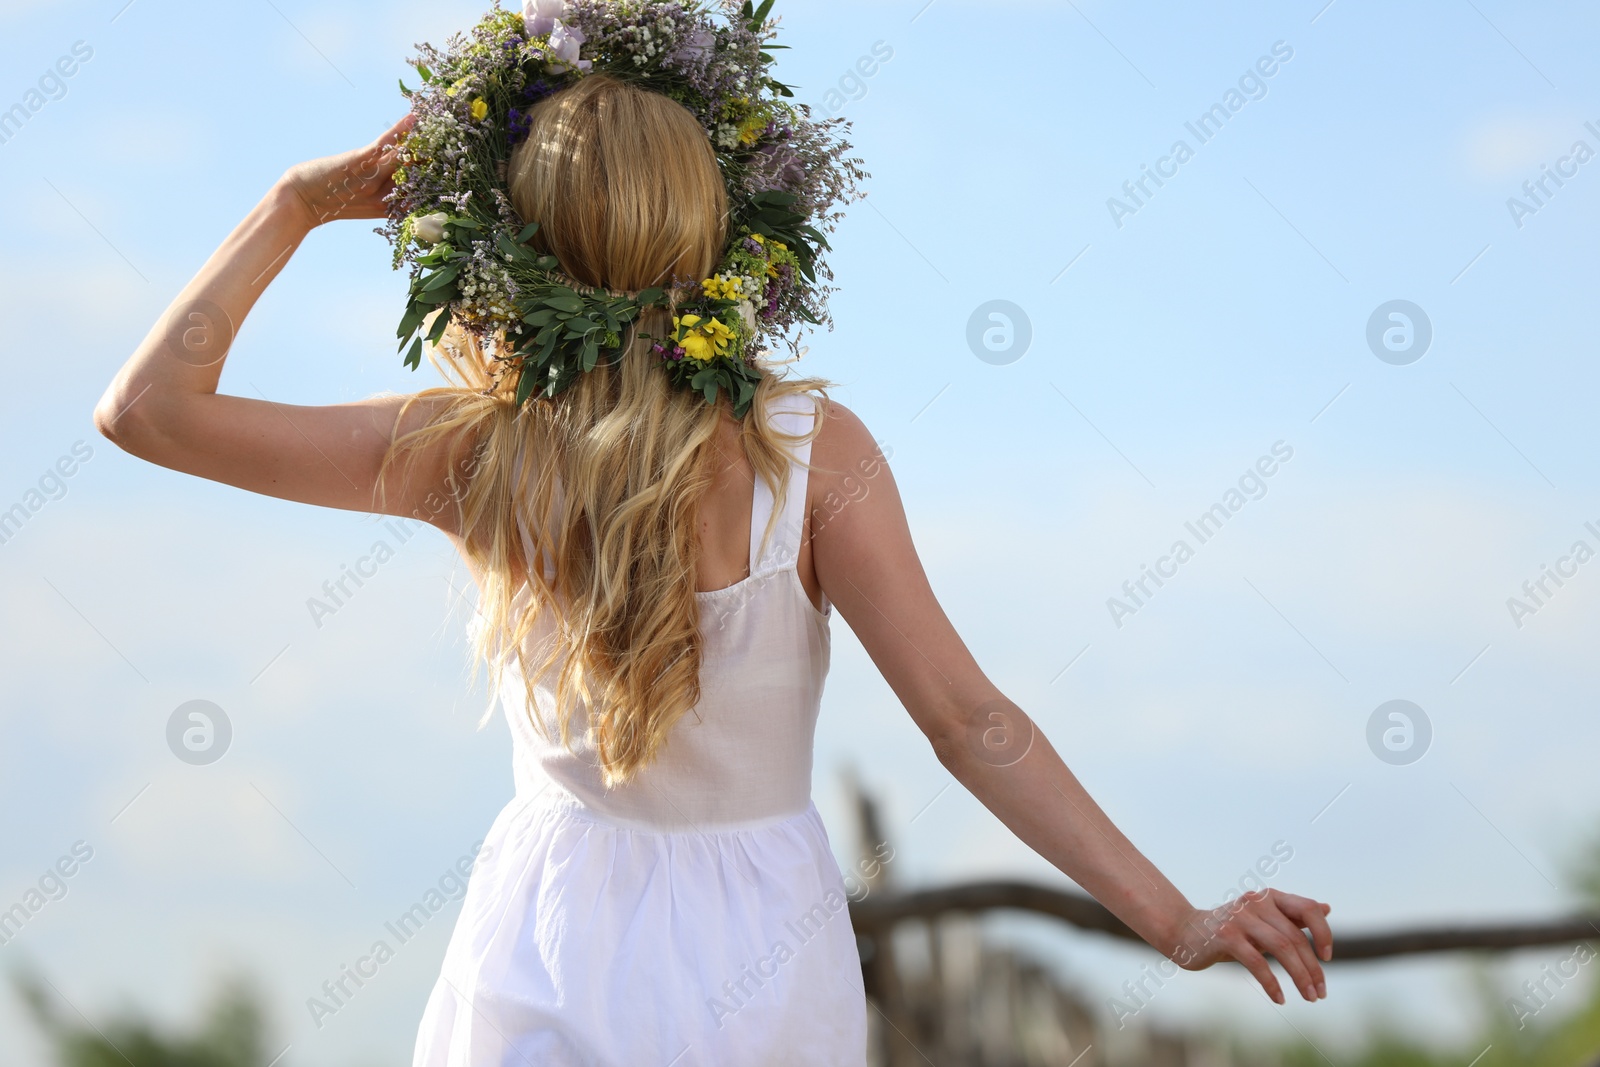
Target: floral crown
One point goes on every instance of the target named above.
(452, 220)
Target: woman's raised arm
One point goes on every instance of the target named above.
(163, 406)
(868, 566)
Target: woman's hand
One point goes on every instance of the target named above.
(1260, 924)
(353, 185)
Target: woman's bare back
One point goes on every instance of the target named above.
(725, 513)
(725, 521)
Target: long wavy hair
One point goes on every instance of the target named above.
(606, 478)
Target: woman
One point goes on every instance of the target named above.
(661, 890)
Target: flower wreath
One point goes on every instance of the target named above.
(452, 219)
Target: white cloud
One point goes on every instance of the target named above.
(1508, 144)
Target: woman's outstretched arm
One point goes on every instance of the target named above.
(164, 407)
(868, 566)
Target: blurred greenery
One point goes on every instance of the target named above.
(1559, 1027)
(232, 1032)
(1556, 1025)
(1554, 1022)
(1583, 870)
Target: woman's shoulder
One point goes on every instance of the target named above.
(841, 432)
(844, 449)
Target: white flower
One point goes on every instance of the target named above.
(430, 228)
(747, 312)
(564, 44)
(541, 16)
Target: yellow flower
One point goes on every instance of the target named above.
(758, 239)
(702, 340)
(772, 268)
(697, 348)
(480, 109)
(723, 288)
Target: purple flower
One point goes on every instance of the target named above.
(541, 16)
(520, 126)
(695, 49)
(564, 44)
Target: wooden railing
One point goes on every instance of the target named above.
(914, 1015)
(881, 911)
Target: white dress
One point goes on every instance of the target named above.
(695, 917)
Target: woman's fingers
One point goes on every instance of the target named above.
(1291, 948)
(1258, 925)
(1247, 954)
(355, 184)
(1312, 915)
(391, 138)
(1270, 941)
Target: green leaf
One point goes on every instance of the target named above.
(424, 72)
(525, 383)
(403, 90)
(414, 359)
(539, 318)
(649, 297)
(440, 322)
(571, 304)
(508, 249)
(527, 233)
(413, 318)
(438, 296)
(758, 19)
(442, 279)
(711, 391)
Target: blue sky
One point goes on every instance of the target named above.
(1169, 354)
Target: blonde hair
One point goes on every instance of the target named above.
(629, 195)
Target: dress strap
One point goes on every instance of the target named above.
(794, 416)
